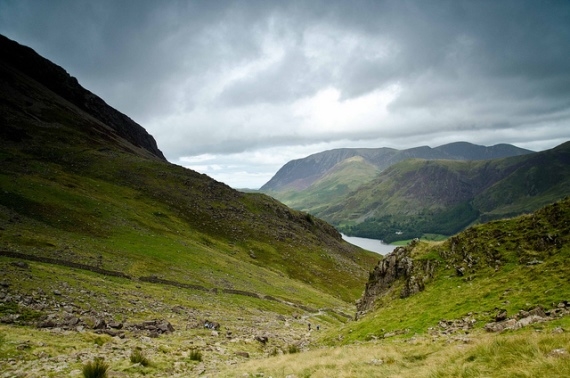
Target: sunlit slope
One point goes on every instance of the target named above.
(339, 181)
(511, 265)
(417, 197)
(511, 272)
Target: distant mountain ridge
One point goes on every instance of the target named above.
(394, 195)
(300, 174)
(417, 197)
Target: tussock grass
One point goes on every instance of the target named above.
(195, 355)
(292, 349)
(138, 357)
(95, 369)
(524, 354)
(530, 354)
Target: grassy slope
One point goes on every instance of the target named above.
(71, 188)
(165, 229)
(443, 197)
(542, 179)
(345, 177)
(500, 279)
(28, 351)
(525, 353)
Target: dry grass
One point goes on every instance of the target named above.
(526, 354)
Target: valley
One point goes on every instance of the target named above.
(112, 256)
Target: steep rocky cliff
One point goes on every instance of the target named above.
(396, 271)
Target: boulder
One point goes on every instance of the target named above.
(49, 323)
(500, 326)
(116, 325)
(21, 264)
(528, 321)
(165, 327)
(155, 327)
(211, 325)
(100, 324)
(501, 315)
(538, 311)
(262, 339)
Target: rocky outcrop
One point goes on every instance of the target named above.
(395, 270)
(525, 318)
(154, 327)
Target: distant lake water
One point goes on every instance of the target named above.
(373, 245)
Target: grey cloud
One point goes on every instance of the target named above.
(469, 67)
(283, 81)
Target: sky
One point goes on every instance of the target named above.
(236, 89)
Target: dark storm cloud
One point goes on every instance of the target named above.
(225, 77)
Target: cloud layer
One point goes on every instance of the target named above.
(236, 89)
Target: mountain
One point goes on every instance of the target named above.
(344, 177)
(58, 81)
(321, 181)
(417, 197)
(113, 258)
(299, 175)
(421, 192)
(109, 250)
(82, 182)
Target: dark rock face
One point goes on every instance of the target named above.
(396, 267)
(61, 83)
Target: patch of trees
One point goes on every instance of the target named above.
(391, 228)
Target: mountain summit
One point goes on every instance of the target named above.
(26, 61)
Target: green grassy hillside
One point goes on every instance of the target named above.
(418, 197)
(109, 253)
(106, 249)
(494, 303)
(73, 188)
(340, 180)
(515, 264)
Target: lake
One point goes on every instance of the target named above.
(373, 245)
